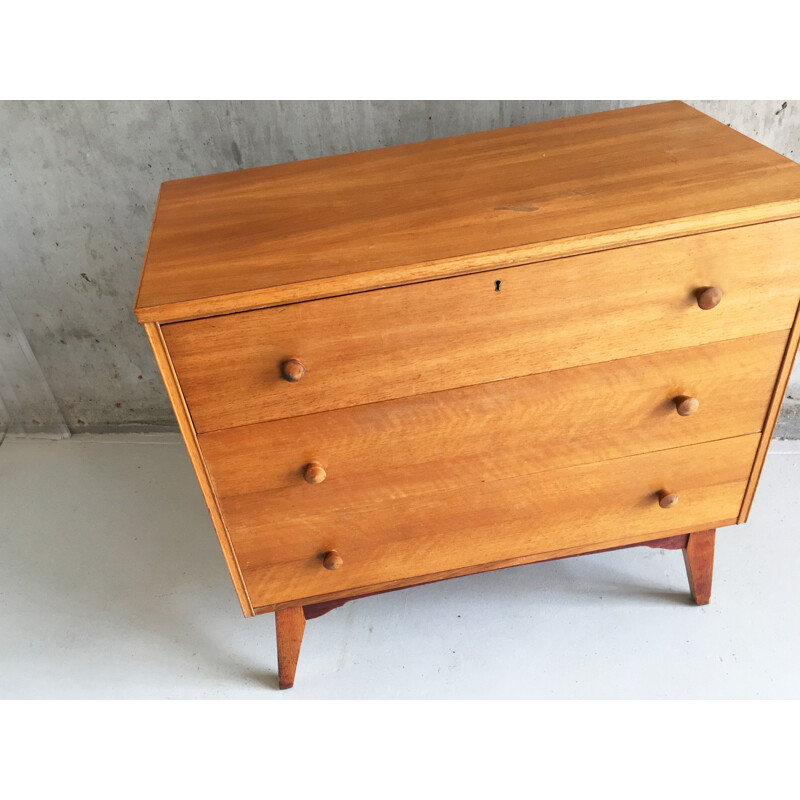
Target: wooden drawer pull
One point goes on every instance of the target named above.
(667, 499)
(314, 472)
(293, 370)
(709, 297)
(332, 560)
(686, 405)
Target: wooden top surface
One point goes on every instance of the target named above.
(328, 226)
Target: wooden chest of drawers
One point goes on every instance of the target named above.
(403, 365)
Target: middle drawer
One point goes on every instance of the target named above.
(415, 445)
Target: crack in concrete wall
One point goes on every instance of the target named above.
(27, 405)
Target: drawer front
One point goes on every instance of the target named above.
(462, 331)
(413, 537)
(415, 445)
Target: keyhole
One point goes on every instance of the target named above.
(497, 285)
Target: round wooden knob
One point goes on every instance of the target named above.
(293, 370)
(667, 499)
(686, 405)
(314, 472)
(709, 297)
(332, 560)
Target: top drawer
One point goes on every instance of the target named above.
(442, 334)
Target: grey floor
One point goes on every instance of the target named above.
(112, 586)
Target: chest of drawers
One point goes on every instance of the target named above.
(402, 365)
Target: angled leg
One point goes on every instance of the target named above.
(699, 557)
(289, 626)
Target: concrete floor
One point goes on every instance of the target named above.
(112, 585)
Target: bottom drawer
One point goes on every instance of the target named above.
(424, 535)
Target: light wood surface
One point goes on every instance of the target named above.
(190, 440)
(354, 282)
(290, 623)
(481, 433)
(698, 555)
(233, 237)
(778, 395)
(617, 543)
(448, 530)
(459, 331)
(318, 609)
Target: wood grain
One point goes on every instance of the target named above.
(314, 610)
(190, 440)
(355, 282)
(225, 241)
(448, 530)
(778, 394)
(474, 434)
(290, 623)
(459, 331)
(618, 542)
(698, 555)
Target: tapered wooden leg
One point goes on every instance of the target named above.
(699, 557)
(289, 626)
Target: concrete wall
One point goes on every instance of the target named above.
(78, 183)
